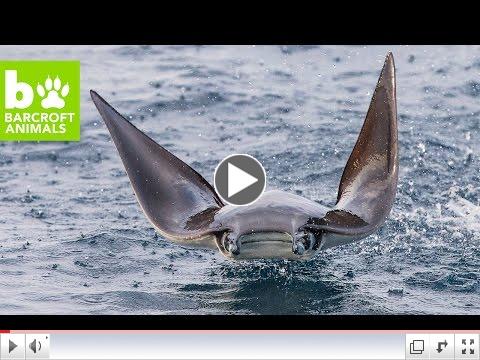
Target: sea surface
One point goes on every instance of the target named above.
(73, 239)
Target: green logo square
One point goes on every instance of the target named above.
(39, 100)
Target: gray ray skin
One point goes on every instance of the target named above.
(369, 182)
(175, 198)
(184, 207)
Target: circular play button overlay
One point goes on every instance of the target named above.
(239, 179)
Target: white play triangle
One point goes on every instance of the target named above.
(238, 179)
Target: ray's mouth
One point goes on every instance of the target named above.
(263, 245)
(265, 237)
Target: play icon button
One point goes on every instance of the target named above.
(12, 346)
(239, 179)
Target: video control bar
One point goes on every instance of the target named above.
(236, 345)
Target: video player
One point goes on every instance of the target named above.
(239, 201)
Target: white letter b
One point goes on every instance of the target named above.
(12, 88)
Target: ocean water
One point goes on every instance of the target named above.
(73, 239)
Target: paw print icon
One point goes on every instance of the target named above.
(53, 93)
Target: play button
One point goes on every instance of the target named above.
(239, 179)
(11, 346)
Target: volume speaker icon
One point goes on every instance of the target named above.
(35, 346)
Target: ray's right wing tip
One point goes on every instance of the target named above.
(95, 97)
(111, 117)
(101, 103)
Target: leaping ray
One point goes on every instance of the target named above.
(184, 207)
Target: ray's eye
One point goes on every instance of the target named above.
(303, 241)
(230, 245)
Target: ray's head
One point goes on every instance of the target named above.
(268, 245)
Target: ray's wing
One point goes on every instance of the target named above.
(369, 181)
(175, 198)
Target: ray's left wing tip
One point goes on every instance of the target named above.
(388, 70)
